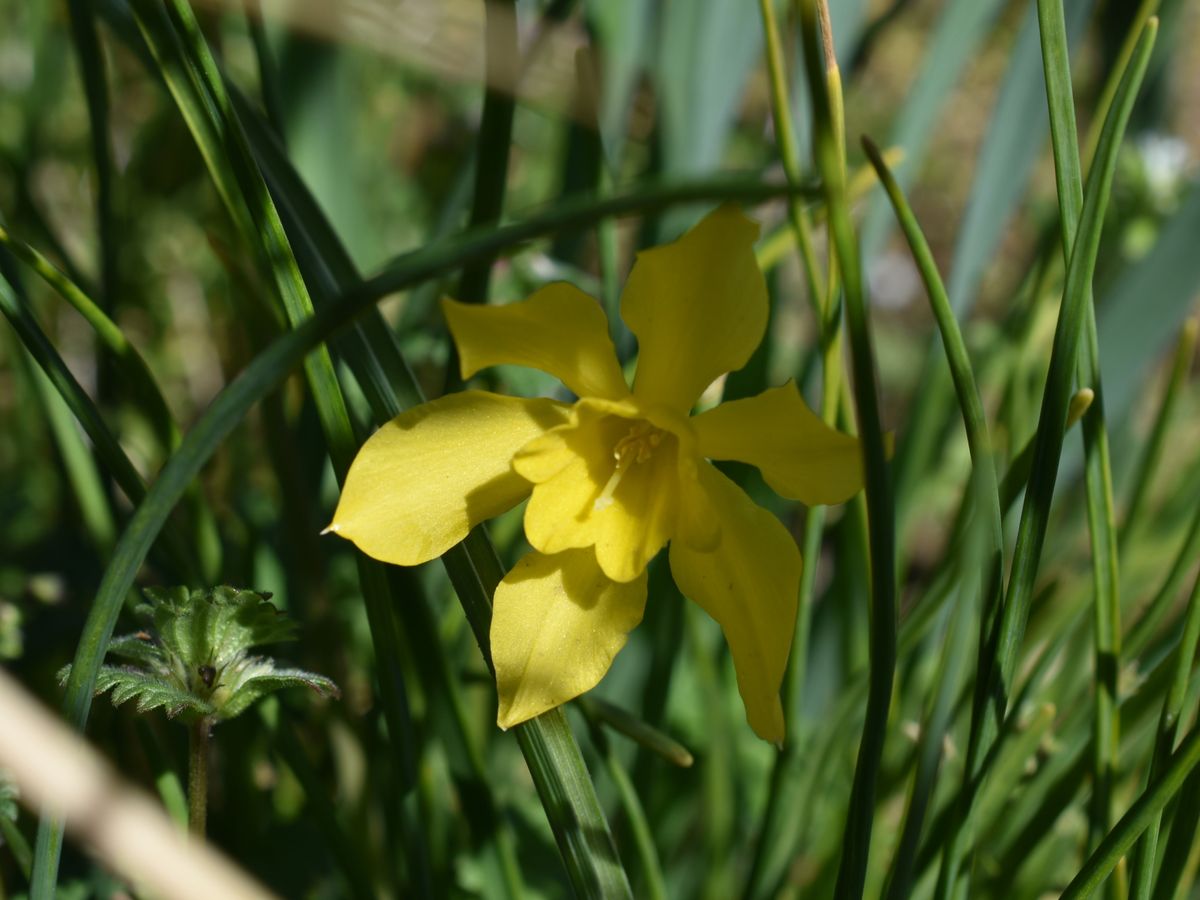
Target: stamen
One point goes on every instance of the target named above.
(637, 446)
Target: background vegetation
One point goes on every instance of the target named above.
(180, 188)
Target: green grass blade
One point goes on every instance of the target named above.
(1181, 365)
(95, 89)
(87, 487)
(495, 139)
(1009, 151)
(1142, 868)
(996, 673)
(1143, 629)
(1177, 870)
(960, 27)
(965, 386)
(1148, 806)
(132, 366)
(985, 494)
(15, 308)
(1097, 466)
(852, 871)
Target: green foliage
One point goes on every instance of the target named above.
(194, 664)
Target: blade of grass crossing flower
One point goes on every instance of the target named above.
(1142, 869)
(262, 375)
(1185, 350)
(997, 672)
(1148, 806)
(857, 838)
(1097, 467)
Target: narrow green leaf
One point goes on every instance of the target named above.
(852, 872)
(1181, 365)
(145, 389)
(1148, 806)
(15, 307)
(1097, 466)
(1142, 868)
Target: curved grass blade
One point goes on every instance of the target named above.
(996, 671)
(1010, 148)
(1097, 466)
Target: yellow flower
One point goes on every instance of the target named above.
(614, 477)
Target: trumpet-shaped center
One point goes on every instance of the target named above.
(636, 446)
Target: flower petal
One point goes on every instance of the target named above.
(560, 330)
(570, 509)
(698, 307)
(424, 479)
(557, 624)
(799, 455)
(748, 583)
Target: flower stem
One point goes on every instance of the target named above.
(198, 734)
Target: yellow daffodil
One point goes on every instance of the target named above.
(615, 476)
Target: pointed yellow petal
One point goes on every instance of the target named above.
(698, 307)
(560, 330)
(799, 455)
(557, 624)
(748, 583)
(427, 477)
(585, 498)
